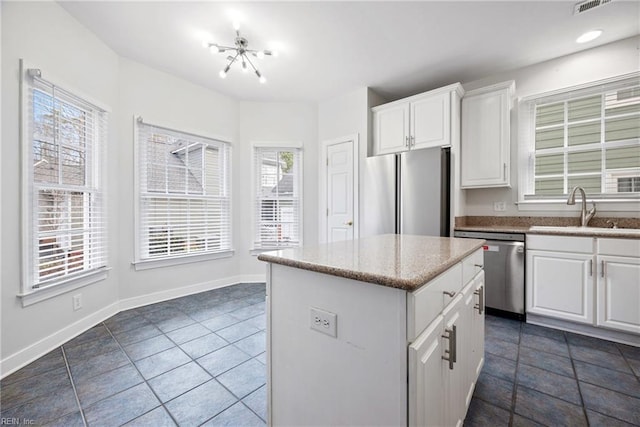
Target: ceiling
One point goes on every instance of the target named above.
(329, 48)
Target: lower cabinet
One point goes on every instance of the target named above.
(560, 285)
(592, 281)
(619, 293)
(446, 358)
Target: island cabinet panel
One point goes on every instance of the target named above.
(360, 375)
(405, 352)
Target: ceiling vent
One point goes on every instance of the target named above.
(584, 6)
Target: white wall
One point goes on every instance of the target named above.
(583, 67)
(347, 115)
(274, 122)
(48, 38)
(168, 101)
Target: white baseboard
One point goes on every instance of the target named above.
(27, 355)
(592, 331)
(139, 301)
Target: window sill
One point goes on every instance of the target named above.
(51, 291)
(185, 259)
(607, 205)
(258, 251)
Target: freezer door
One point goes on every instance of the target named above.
(504, 275)
(419, 192)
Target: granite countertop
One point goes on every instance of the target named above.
(557, 231)
(399, 261)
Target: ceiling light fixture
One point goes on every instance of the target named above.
(589, 36)
(239, 53)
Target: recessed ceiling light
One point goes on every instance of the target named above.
(589, 36)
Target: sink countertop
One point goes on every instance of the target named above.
(399, 261)
(556, 230)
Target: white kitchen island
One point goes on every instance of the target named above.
(386, 330)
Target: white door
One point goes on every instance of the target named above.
(560, 285)
(391, 129)
(619, 293)
(431, 121)
(340, 191)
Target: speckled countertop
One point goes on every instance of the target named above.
(563, 226)
(398, 261)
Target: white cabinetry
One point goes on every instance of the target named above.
(486, 136)
(619, 285)
(446, 358)
(421, 121)
(585, 280)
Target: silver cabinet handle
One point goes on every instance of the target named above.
(451, 351)
(406, 141)
(590, 267)
(603, 272)
(480, 293)
(504, 170)
(478, 265)
(413, 141)
(451, 294)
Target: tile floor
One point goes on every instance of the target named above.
(199, 360)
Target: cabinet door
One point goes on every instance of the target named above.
(618, 300)
(427, 375)
(485, 145)
(560, 285)
(391, 129)
(455, 379)
(476, 357)
(466, 342)
(431, 121)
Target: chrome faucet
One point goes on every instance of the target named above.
(585, 216)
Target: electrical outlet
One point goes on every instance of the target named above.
(499, 206)
(77, 302)
(324, 321)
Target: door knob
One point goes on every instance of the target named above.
(348, 223)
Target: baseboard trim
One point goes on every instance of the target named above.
(27, 355)
(156, 297)
(592, 331)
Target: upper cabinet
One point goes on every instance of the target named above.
(420, 121)
(486, 136)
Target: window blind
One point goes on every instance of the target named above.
(589, 139)
(68, 136)
(278, 207)
(185, 193)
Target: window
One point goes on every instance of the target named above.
(64, 195)
(278, 197)
(588, 137)
(184, 194)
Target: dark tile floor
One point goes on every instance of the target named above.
(539, 376)
(199, 360)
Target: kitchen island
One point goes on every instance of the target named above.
(384, 330)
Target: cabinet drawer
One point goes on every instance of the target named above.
(472, 265)
(560, 243)
(428, 302)
(621, 247)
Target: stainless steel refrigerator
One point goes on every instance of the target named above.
(423, 192)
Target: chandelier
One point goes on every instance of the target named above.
(239, 53)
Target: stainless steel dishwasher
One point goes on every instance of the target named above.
(504, 255)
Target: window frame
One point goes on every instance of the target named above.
(256, 248)
(144, 263)
(526, 148)
(32, 292)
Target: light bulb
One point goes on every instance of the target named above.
(236, 25)
(214, 49)
(260, 54)
(222, 74)
(589, 36)
(244, 67)
(274, 53)
(262, 79)
(205, 44)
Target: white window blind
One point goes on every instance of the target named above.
(278, 197)
(184, 194)
(68, 226)
(588, 138)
